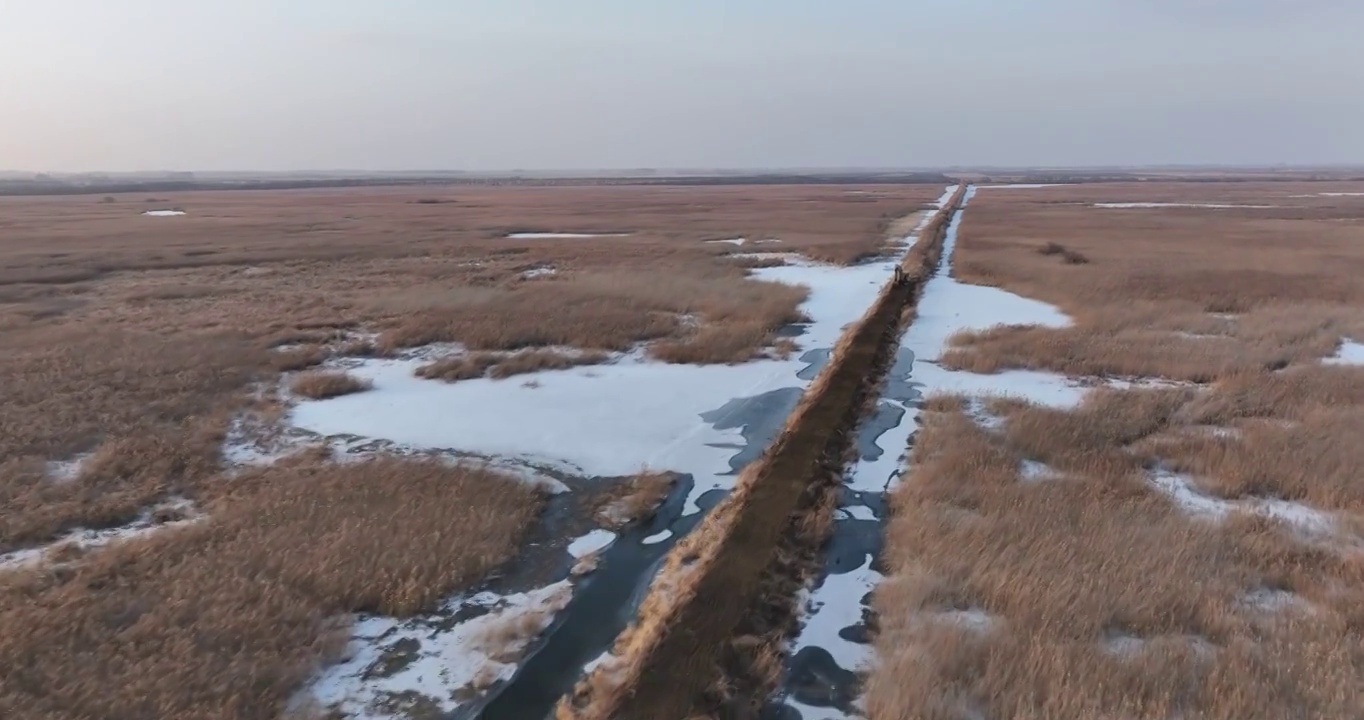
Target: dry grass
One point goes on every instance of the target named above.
(224, 619)
(634, 501)
(1064, 565)
(1104, 598)
(320, 385)
(467, 366)
(1145, 302)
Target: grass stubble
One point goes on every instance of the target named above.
(1105, 599)
(131, 343)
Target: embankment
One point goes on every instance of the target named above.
(707, 638)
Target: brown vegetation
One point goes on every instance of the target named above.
(136, 339)
(1087, 593)
(1183, 293)
(225, 618)
(635, 500)
(1070, 568)
(321, 385)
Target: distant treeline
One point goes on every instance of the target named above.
(58, 187)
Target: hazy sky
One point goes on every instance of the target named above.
(499, 84)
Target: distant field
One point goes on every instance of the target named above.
(136, 344)
(1188, 547)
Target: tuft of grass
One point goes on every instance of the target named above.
(635, 500)
(320, 385)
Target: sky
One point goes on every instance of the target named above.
(94, 85)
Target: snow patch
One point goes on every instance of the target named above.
(1349, 353)
(163, 213)
(1031, 471)
(1273, 601)
(658, 537)
(65, 471)
(973, 620)
(389, 659)
(533, 273)
(593, 542)
(1180, 489)
(731, 241)
(175, 512)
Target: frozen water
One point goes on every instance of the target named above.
(834, 605)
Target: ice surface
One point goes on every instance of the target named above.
(834, 605)
(595, 541)
(658, 537)
(1350, 353)
(163, 213)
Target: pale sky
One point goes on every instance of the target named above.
(564, 84)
